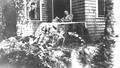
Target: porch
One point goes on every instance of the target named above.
(87, 30)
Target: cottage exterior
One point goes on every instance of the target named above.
(88, 12)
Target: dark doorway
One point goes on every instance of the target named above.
(60, 6)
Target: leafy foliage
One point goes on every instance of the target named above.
(104, 55)
(46, 50)
(52, 49)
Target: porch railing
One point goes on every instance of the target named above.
(30, 27)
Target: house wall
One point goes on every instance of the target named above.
(47, 10)
(95, 24)
(44, 11)
(83, 11)
(78, 10)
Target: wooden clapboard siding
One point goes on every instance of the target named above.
(49, 7)
(78, 10)
(83, 10)
(96, 29)
(47, 10)
(94, 24)
(90, 8)
(44, 11)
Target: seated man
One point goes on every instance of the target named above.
(68, 17)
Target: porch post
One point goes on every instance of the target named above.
(25, 9)
(52, 9)
(70, 6)
(41, 10)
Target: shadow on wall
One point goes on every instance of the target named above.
(10, 19)
(81, 30)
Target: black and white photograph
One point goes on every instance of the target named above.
(59, 33)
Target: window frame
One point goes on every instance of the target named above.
(97, 10)
(40, 10)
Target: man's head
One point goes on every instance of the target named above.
(66, 12)
(32, 5)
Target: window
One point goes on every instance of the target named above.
(59, 6)
(32, 9)
(101, 8)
